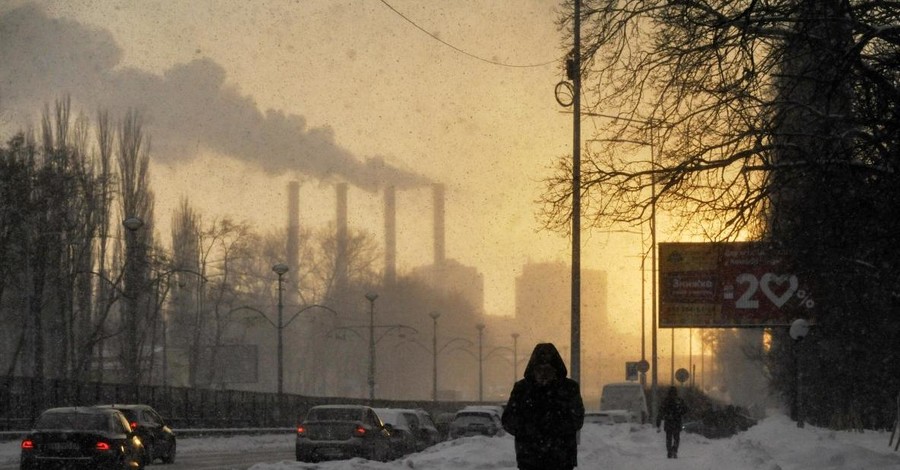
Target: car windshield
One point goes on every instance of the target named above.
(73, 421)
(335, 414)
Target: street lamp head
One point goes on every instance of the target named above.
(371, 296)
(133, 223)
(280, 269)
(799, 329)
(434, 315)
(515, 336)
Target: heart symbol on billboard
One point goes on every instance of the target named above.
(769, 280)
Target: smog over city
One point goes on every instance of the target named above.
(399, 149)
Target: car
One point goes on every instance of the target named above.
(404, 430)
(337, 432)
(475, 422)
(428, 431)
(625, 396)
(442, 422)
(81, 437)
(158, 438)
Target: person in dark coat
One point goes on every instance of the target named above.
(671, 411)
(544, 413)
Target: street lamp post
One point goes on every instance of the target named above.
(480, 328)
(281, 325)
(371, 296)
(281, 269)
(132, 274)
(434, 317)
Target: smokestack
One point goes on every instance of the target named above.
(292, 258)
(438, 192)
(341, 270)
(390, 234)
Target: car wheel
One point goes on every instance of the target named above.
(149, 454)
(169, 458)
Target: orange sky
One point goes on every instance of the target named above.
(382, 88)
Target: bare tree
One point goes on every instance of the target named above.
(185, 303)
(704, 84)
(772, 120)
(136, 203)
(207, 262)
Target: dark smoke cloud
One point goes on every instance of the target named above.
(186, 109)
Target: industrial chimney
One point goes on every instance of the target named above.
(390, 235)
(438, 193)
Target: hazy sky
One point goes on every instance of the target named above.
(242, 97)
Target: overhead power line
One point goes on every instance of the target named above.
(461, 51)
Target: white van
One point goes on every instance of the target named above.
(628, 396)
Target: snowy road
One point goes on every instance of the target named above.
(774, 444)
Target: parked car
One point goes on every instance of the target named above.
(625, 396)
(428, 431)
(158, 438)
(442, 422)
(335, 432)
(85, 437)
(404, 430)
(475, 422)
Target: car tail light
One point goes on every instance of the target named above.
(134, 425)
(359, 431)
(28, 444)
(102, 446)
(301, 431)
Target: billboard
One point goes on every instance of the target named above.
(729, 284)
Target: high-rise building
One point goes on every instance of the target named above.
(544, 314)
(452, 277)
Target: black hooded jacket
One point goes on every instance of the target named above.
(545, 418)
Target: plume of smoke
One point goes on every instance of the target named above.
(187, 108)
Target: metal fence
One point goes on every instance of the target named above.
(22, 399)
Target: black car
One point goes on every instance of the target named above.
(404, 426)
(81, 438)
(158, 438)
(337, 432)
(428, 432)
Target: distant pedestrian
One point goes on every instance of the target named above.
(671, 412)
(544, 413)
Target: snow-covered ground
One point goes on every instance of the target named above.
(774, 444)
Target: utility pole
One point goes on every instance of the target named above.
(575, 75)
(434, 353)
(371, 296)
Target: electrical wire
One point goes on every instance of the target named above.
(451, 46)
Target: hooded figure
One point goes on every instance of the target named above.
(671, 412)
(544, 413)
